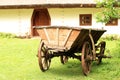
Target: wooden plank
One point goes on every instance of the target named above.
(46, 33)
(77, 44)
(58, 36)
(93, 45)
(68, 35)
(42, 5)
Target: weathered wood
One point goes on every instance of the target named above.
(58, 36)
(79, 40)
(36, 6)
(93, 45)
(48, 5)
(46, 33)
(67, 37)
(77, 44)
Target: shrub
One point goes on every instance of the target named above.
(116, 51)
(7, 35)
(111, 37)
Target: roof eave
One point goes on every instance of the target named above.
(48, 6)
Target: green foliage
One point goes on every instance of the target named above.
(117, 50)
(111, 10)
(111, 37)
(7, 35)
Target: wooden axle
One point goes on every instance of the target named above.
(102, 56)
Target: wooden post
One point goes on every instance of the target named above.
(57, 36)
(46, 33)
(93, 45)
(68, 35)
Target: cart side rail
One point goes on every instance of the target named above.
(89, 35)
(58, 36)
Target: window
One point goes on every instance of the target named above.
(112, 22)
(85, 19)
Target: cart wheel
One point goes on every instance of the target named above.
(63, 59)
(101, 45)
(43, 57)
(86, 58)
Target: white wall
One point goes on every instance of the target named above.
(17, 21)
(70, 17)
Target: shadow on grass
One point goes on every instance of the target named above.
(73, 68)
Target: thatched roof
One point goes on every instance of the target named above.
(25, 2)
(45, 3)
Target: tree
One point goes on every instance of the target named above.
(111, 10)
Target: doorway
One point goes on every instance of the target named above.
(40, 17)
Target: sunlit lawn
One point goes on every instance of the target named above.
(18, 61)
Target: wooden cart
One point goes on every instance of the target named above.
(70, 42)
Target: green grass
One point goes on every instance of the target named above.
(18, 61)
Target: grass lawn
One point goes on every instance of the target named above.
(18, 61)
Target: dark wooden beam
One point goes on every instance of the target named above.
(48, 6)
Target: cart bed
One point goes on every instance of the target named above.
(67, 37)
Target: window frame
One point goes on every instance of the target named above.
(110, 24)
(85, 15)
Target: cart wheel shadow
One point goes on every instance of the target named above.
(74, 69)
(68, 69)
(98, 68)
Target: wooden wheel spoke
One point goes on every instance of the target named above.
(43, 49)
(43, 60)
(42, 56)
(86, 58)
(101, 47)
(63, 59)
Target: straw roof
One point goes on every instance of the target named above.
(28, 2)
(44, 3)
